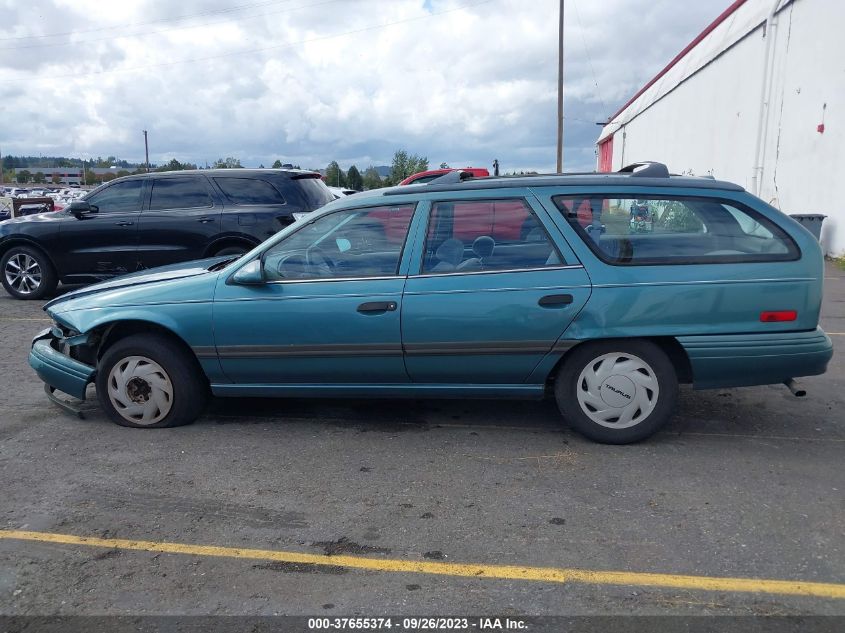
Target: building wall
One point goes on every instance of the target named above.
(707, 123)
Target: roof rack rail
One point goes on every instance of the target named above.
(646, 169)
(452, 177)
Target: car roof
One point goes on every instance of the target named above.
(237, 171)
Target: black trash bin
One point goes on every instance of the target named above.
(811, 221)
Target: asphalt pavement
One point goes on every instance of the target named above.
(320, 507)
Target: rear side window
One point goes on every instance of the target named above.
(631, 230)
(249, 191)
(481, 235)
(179, 193)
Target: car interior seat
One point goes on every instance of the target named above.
(482, 248)
(449, 254)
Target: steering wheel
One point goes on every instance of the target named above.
(320, 262)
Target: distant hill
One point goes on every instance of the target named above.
(383, 170)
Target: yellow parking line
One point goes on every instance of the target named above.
(466, 570)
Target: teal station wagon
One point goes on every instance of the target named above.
(606, 290)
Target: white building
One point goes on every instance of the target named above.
(758, 98)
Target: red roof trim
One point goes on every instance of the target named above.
(724, 16)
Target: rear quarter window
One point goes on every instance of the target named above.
(637, 230)
(249, 191)
(314, 192)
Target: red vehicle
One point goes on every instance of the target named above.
(427, 176)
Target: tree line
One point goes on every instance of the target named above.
(402, 165)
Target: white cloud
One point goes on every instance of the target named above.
(310, 81)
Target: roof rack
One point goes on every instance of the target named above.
(646, 169)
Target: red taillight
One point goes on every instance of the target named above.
(776, 316)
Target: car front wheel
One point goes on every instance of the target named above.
(148, 381)
(27, 273)
(617, 392)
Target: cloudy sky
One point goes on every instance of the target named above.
(309, 81)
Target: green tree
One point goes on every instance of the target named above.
(354, 180)
(91, 178)
(23, 176)
(228, 163)
(123, 172)
(404, 165)
(55, 178)
(334, 175)
(444, 165)
(39, 178)
(371, 178)
(277, 164)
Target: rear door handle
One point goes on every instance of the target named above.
(377, 306)
(124, 223)
(552, 301)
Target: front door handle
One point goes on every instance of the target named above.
(377, 306)
(553, 301)
(124, 223)
(205, 220)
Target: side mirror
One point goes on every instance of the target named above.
(250, 275)
(81, 208)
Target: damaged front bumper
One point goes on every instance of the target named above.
(57, 369)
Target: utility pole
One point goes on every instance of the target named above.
(146, 152)
(560, 92)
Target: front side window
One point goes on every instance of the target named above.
(482, 235)
(179, 193)
(353, 243)
(249, 191)
(120, 197)
(632, 230)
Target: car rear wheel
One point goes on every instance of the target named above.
(617, 392)
(27, 273)
(148, 381)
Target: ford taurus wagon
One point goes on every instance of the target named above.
(604, 291)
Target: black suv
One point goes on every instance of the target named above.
(152, 220)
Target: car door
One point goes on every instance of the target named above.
(485, 309)
(180, 222)
(329, 309)
(102, 244)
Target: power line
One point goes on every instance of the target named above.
(174, 28)
(587, 51)
(124, 26)
(250, 51)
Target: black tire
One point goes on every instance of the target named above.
(40, 273)
(188, 388)
(231, 250)
(617, 391)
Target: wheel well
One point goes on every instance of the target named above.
(19, 242)
(669, 344)
(113, 332)
(226, 242)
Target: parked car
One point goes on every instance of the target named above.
(150, 220)
(424, 177)
(609, 322)
(339, 192)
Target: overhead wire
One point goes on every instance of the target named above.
(250, 51)
(157, 21)
(167, 30)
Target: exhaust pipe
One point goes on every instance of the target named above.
(795, 388)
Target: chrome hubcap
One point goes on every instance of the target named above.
(618, 390)
(23, 273)
(140, 390)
